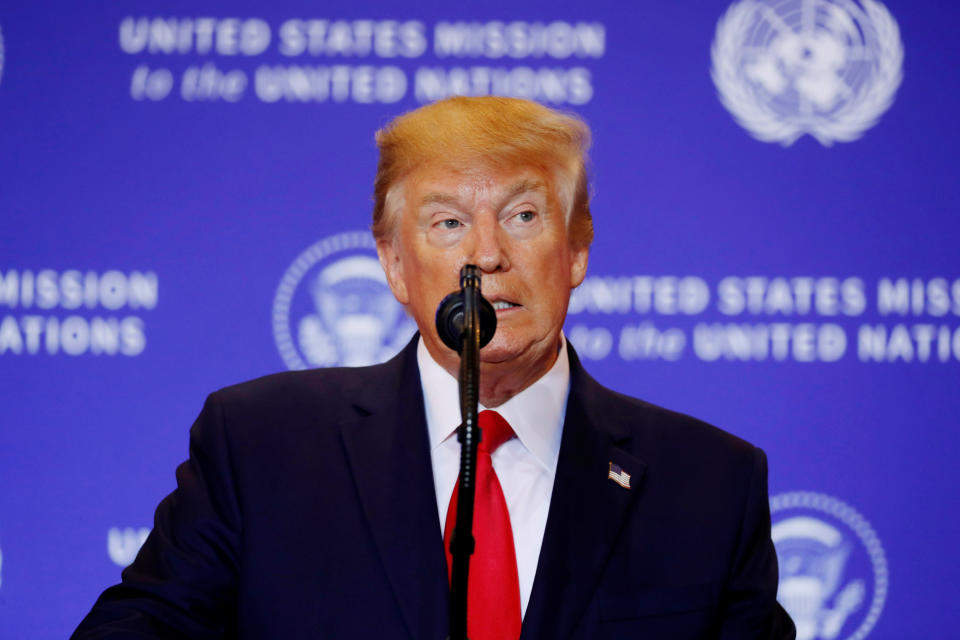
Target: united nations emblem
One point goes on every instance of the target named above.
(334, 308)
(833, 571)
(828, 68)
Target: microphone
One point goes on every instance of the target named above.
(450, 313)
(466, 322)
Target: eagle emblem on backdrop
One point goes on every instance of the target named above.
(334, 308)
(827, 68)
(833, 570)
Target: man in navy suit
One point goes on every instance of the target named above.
(314, 503)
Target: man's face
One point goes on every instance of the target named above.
(511, 224)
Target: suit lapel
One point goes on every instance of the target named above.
(388, 450)
(587, 510)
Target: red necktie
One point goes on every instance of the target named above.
(493, 596)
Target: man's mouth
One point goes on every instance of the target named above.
(500, 305)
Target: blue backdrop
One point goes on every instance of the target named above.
(184, 198)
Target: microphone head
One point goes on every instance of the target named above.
(450, 320)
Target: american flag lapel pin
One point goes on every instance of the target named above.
(618, 475)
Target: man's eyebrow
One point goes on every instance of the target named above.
(517, 188)
(439, 198)
(524, 186)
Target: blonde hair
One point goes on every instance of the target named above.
(491, 131)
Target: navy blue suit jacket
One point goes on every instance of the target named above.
(307, 510)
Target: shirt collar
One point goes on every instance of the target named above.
(536, 413)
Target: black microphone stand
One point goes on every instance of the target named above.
(465, 322)
(462, 543)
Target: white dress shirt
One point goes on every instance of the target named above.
(525, 465)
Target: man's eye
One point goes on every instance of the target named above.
(450, 223)
(526, 216)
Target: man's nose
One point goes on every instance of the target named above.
(489, 252)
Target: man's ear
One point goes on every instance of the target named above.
(578, 265)
(393, 268)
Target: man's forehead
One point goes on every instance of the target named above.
(442, 185)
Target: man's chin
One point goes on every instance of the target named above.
(499, 351)
(496, 357)
(507, 350)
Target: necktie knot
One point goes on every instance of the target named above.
(496, 430)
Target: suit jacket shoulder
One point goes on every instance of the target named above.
(322, 393)
(306, 509)
(668, 519)
(661, 437)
